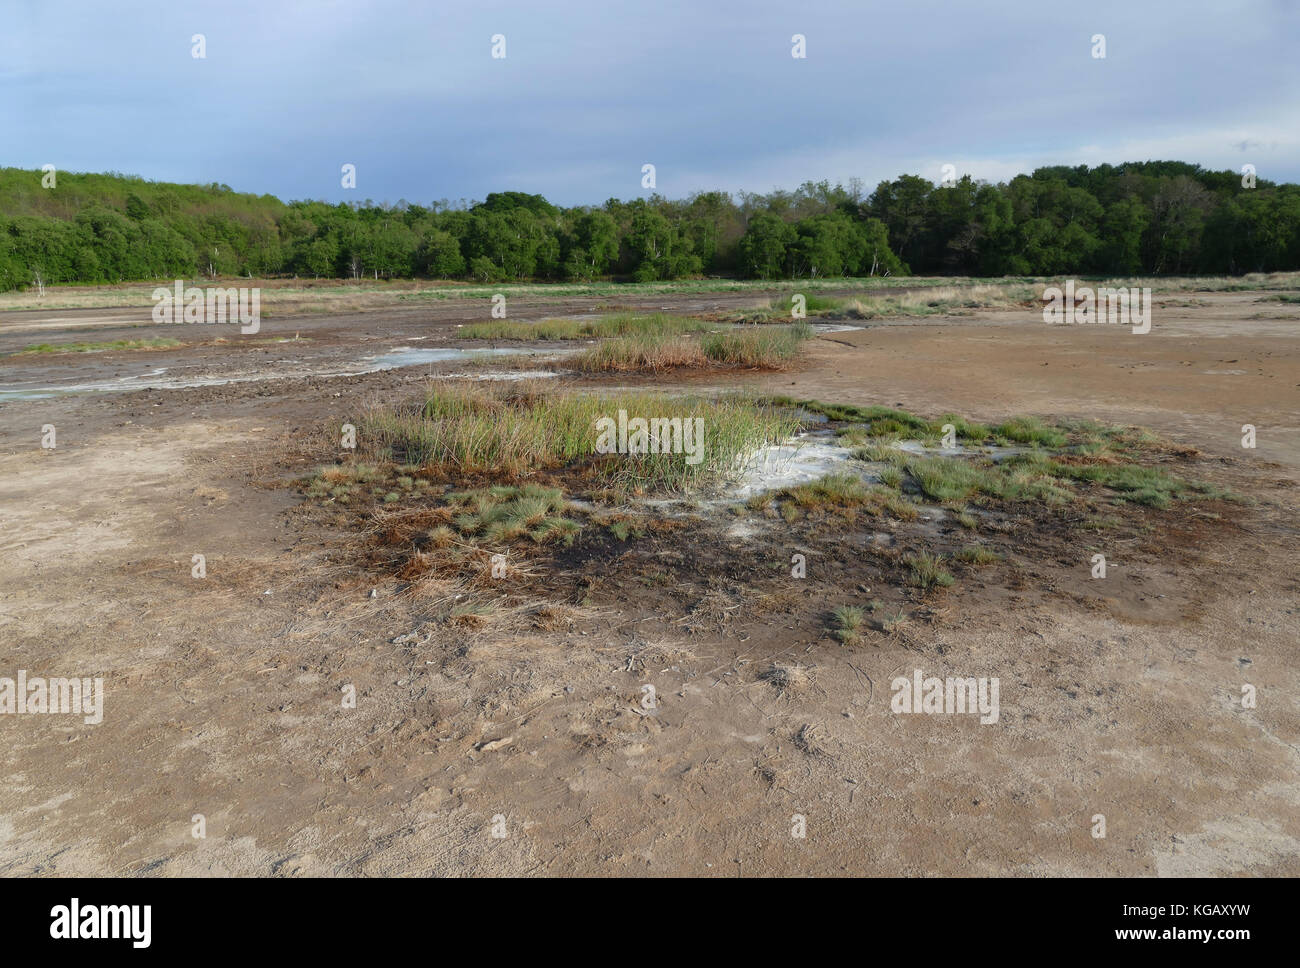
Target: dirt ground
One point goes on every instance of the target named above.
(1119, 697)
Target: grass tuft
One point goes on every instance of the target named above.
(927, 570)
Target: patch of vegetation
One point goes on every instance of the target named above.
(1137, 483)
(877, 452)
(1030, 430)
(768, 347)
(505, 514)
(643, 352)
(787, 677)
(846, 624)
(836, 490)
(625, 528)
(1094, 439)
(1039, 477)
(156, 343)
(509, 430)
(878, 426)
(895, 421)
(929, 301)
(840, 492)
(617, 324)
(947, 479)
(927, 570)
(150, 230)
(340, 482)
(939, 301)
(1086, 452)
(893, 621)
(814, 304)
(877, 429)
(472, 614)
(978, 555)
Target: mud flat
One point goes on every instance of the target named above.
(526, 699)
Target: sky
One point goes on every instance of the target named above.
(589, 91)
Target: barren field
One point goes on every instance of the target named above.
(503, 727)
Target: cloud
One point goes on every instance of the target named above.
(590, 91)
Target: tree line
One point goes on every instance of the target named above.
(1147, 218)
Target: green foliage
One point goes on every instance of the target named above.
(927, 570)
(157, 343)
(510, 431)
(764, 347)
(846, 623)
(1136, 483)
(1147, 218)
(978, 555)
(618, 324)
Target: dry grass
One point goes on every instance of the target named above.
(511, 430)
(159, 343)
(758, 348)
(648, 354)
(811, 739)
(617, 324)
(286, 297)
(787, 678)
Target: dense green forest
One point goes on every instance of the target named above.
(1161, 217)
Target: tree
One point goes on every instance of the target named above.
(1177, 219)
(1121, 249)
(659, 249)
(440, 254)
(763, 247)
(903, 205)
(592, 246)
(1138, 217)
(826, 245)
(136, 209)
(321, 257)
(877, 258)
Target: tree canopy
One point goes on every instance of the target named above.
(1157, 217)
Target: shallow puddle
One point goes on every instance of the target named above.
(820, 328)
(158, 378)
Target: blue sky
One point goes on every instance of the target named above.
(590, 90)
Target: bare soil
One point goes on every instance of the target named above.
(1119, 697)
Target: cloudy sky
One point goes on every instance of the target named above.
(590, 90)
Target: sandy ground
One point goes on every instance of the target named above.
(1120, 698)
